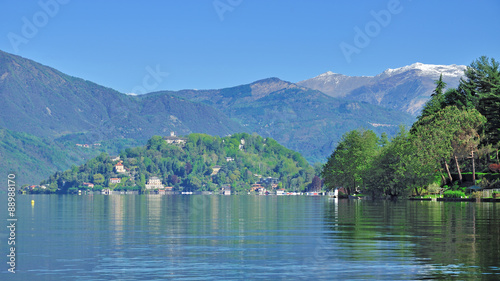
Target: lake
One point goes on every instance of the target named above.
(197, 237)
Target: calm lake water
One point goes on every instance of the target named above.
(196, 237)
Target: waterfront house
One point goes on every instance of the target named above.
(106, 191)
(256, 186)
(226, 189)
(154, 183)
(88, 184)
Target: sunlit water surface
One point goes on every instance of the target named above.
(196, 237)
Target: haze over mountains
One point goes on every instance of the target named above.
(44, 105)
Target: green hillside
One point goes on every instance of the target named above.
(47, 103)
(31, 157)
(197, 162)
(34, 158)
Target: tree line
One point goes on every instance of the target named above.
(458, 130)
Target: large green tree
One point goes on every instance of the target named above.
(450, 133)
(399, 168)
(437, 99)
(489, 106)
(350, 160)
(482, 81)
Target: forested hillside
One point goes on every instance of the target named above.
(197, 162)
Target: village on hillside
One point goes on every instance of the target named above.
(155, 185)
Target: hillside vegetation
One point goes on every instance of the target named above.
(34, 158)
(197, 162)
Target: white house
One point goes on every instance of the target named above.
(154, 183)
(119, 168)
(115, 180)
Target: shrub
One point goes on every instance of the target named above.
(476, 194)
(453, 194)
(433, 188)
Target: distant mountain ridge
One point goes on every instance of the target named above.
(45, 102)
(406, 88)
(302, 119)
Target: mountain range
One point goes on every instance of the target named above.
(45, 102)
(302, 119)
(59, 111)
(405, 89)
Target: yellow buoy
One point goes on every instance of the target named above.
(32, 202)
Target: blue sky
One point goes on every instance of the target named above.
(132, 45)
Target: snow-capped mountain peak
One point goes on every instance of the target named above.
(406, 88)
(328, 73)
(432, 70)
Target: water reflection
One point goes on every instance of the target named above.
(444, 239)
(122, 237)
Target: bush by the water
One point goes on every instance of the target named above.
(453, 194)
